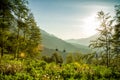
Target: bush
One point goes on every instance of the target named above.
(11, 67)
(37, 69)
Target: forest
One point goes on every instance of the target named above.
(21, 48)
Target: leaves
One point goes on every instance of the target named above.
(18, 29)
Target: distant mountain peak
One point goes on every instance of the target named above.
(83, 41)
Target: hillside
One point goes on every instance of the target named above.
(51, 42)
(83, 41)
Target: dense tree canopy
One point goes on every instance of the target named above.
(18, 29)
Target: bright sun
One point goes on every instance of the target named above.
(90, 25)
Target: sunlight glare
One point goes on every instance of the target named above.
(90, 25)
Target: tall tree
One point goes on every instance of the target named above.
(6, 18)
(116, 36)
(34, 36)
(103, 42)
(18, 29)
(21, 12)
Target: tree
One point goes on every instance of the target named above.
(33, 36)
(10, 10)
(18, 29)
(6, 18)
(103, 42)
(57, 58)
(79, 57)
(116, 36)
(69, 58)
(21, 12)
(88, 58)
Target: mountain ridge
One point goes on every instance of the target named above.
(83, 41)
(52, 42)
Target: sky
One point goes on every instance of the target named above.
(70, 19)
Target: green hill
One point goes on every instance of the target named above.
(50, 42)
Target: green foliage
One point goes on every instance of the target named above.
(56, 57)
(116, 38)
(11, 67)
(20, 37)
(108, 41)
(18, 29)
(36, 69)
(69, 58)
(105, 35)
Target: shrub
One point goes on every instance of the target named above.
(11, 67)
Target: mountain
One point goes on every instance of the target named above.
(51, 42)
(83, 41)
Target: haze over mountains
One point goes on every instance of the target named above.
(83, 41)
(51, 42)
